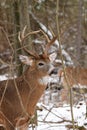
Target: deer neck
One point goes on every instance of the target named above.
(30, 90)
(32, 77)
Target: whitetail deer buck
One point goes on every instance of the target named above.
(18, 97)
(72, 77)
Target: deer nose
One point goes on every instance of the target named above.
(54, 71)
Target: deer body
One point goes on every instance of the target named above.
(30, 87)
(18, 97)
(74, 75)
(75, 78)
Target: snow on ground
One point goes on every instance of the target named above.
(52, 118)
(57, 118)
(3, 77)
(6, 76)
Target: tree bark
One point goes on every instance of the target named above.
(79, 36)
(16, 17)
(25, 19)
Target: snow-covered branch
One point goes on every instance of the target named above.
(48, 32)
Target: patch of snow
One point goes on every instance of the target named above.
(80, 86)
(40, 1)
(68, 58)
(56, 118)
(48, 32)
(6, 76)
(3, 77)
(47, 80)
(59, 61)
(51, 118)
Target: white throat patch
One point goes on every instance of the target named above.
(45, 80)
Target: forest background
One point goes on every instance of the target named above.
(16, 14)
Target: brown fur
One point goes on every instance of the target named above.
(13, 112)
(74, 76)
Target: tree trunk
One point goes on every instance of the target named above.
(25, 19)
(16, 17)
(79, 36)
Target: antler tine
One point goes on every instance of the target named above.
(48, 40)
(48, 46)
(32, 33)
(51, 42)
(22, 37)
(23, 32)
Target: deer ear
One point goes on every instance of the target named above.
(52, 57)
(26, 60)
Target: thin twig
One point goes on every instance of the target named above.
(58, 31)
(48, 113)
(52, 112)
(55, 122)
(7, 38)
(4, 93)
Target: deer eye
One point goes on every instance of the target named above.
(41, 64)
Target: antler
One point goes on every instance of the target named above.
(48, 46)
(22, 37)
